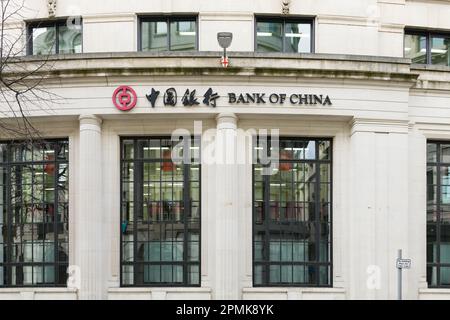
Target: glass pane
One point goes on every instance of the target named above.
(439, 51)
(44, 40)
(258, 275)
(269, 36)
(431, 243)
(128, 149)
(298, 37)
(432, 276)
(445, 185)
(182, 35)
(194, 274)
(431, 175)
(416, 48)
(445, 153)
(324, 150)
(154, 36)
(274, 273)
(324, 275)
(445, 276)
(70, 39)
(431, 152)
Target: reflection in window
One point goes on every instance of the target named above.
(439, 51)
(416, 48)
(44, 41)
(160, 214)
(438, 214)
(55, 38)
(182, 35)
(278, 35)
(427, 48)
(34, 199)
(292, 215)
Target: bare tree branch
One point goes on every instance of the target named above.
(22, 87)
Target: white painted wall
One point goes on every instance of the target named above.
(366, 27)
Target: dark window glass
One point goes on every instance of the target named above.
(416, 48)
(278, 35)
(292, 215)
(175, 34)
(55, 38)
(438, 214)
(44, 40)
(34, 204)
(160, 218)
(425, 47)
(439, 50)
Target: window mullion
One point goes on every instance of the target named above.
(317, 212)
(168, 34)
(9, 216)
(438, 214)
(57, 38)
(429, 47)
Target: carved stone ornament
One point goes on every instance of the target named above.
(51, 5)
(285, 6)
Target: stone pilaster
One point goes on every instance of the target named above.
(89, 215)
(226, 279)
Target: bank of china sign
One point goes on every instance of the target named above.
(125, 98)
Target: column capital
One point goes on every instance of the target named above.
(379, 125)
(90, 122)
(90, 119)
(226, 120)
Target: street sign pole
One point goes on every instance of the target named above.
(399, 292)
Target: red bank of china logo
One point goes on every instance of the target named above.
(124, 98)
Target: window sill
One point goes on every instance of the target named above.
(430, 67)
(434, 294)
(286, 293)
(160, 293)
(45, 293)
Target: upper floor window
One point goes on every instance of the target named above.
(34, 213)
(284, 35)
(55, 37)
(427, 47)
(438, 214)
(168, 33)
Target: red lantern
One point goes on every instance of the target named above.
(49, 168)
(167, 166)
(285, 155)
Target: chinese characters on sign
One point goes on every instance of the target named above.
(125, 98)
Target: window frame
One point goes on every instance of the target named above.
(428, 34)
(56, 263)
(168, 18)
(438, 264)
(266, 203)
(57, 23)
(185, 263)
(282, 19)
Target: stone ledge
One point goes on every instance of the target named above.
(434, 294)
(307, 293)
(169, 293)
(215, 54)
(38, 294)
(318, 66)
